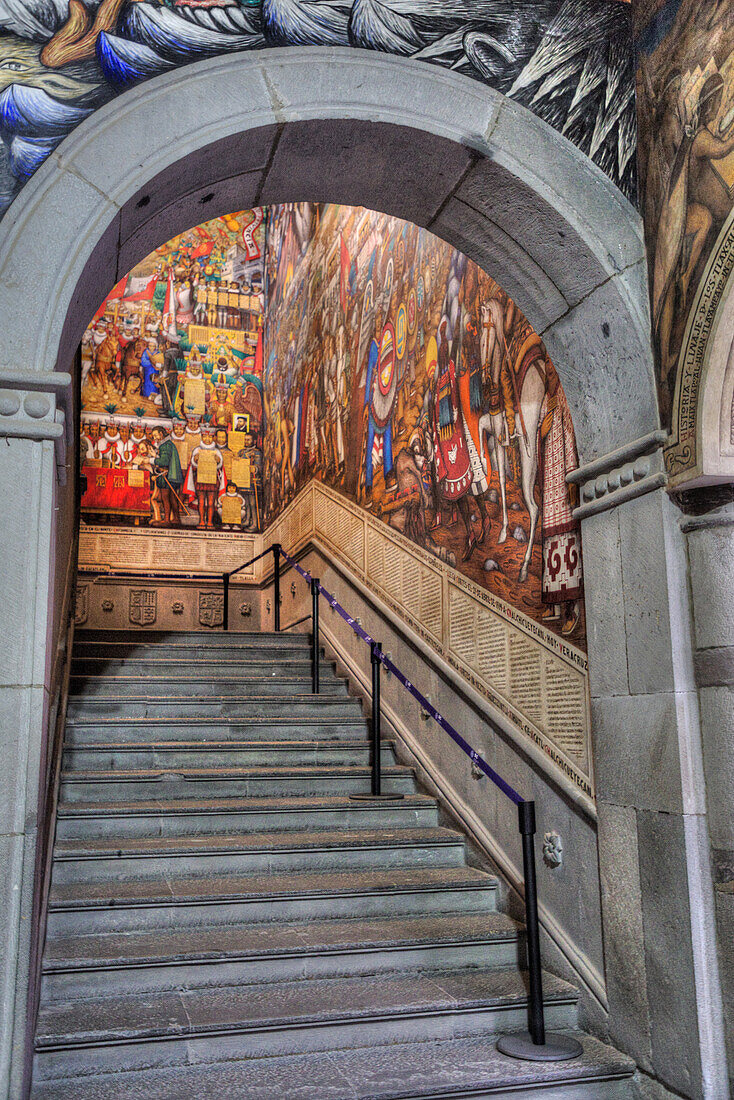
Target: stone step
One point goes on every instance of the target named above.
(176, 1028)
(115, 859)
(84, 908)
(189, 817)
(82, 731)
(208, 638)
(291, 707)
(165, 755)
(266, 782)
(296, 664)
(104, 964)
(230, 689)
(456, 1067)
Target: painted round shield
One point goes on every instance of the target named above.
(427, 281)
(412, 312)
(401, 331)
(386, 382)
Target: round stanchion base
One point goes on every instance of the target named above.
(390, 797)
(556, 1048)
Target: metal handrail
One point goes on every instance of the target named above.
(225, 587)
(536, 1044)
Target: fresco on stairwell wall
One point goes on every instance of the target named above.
(569, 61)
(685, 89)
(402, 375)
(171, 424)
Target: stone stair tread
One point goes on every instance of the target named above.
(173, 677)
(266, 700)
(268, 939)
(167, 806)
(224, 746)
(448, 1067)
(175, 637)
(189, 1012)
(301, 655)
(172, 891)
(257, 842)
(87, 775)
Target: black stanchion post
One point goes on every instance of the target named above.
(225, 604)
(536, 1022)
(375, 651)
(533, 1045)
(376, 776)
(315, 635)
(276, 585)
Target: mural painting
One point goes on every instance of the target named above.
(568, 61)
(172, 405)
(402, 375)
(685, 88)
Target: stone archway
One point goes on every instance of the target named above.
(359, 128)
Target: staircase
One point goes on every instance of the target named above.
(225, 923)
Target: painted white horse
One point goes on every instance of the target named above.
(527, 418)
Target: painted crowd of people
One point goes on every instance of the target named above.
(402, 374)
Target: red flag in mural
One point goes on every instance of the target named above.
(114, 295)
(205, 246)
(140, 289)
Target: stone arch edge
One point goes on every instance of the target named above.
(519, 199)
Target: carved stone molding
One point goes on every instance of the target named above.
(29, 410)
(624, 474)
(143, 606)
(211, 609)
(81, 604)
(552, 850)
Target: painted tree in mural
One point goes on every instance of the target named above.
(569, 61)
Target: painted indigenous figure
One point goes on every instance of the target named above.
(168, 478)
(453, 444)
(380, 396)
(562, 582)
(205, 479)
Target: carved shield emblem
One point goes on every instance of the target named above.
(143, 606)
(211, 608)
(81, 605)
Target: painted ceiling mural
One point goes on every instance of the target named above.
(685, 89)
(172, 410)
(400, 374)
(569, 61)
